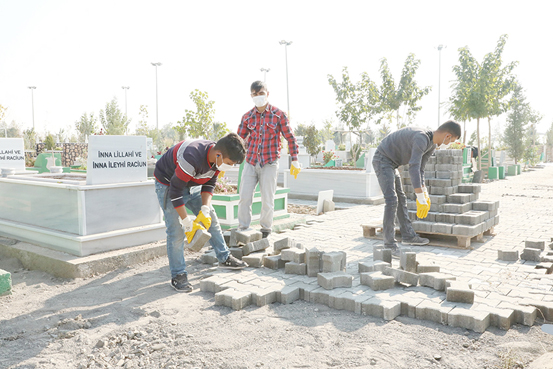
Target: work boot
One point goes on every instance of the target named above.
(233, 263)
(181, 284)
(417, 241)
(265, 234)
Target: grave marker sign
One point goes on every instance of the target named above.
(12, 153)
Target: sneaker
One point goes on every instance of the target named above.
(395, 250)
(233, 263)
(181, 284)
(265, 234)
(417, 241)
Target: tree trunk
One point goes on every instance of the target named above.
(464, 132)
(478, 143)
(489, 142)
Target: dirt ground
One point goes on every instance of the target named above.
(132, 318)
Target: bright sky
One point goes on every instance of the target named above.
(79, 54)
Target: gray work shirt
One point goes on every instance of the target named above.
(411, 146)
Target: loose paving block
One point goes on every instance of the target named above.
(443, 228)
(295, 255)
(295, 268)
(456, 208)
(385, 309)
(337, 299)
(408, 304)
(408, 261)
(531, 254)
(435, 280)
(372, 266)
(383, 254)
(525, 315)
(285, 243)
(232, 240)
(273, 262)
(421, 268)
(332, 261)
(264, 296)
(313, 261)
(334, 280)
(529, 244)
(209, 258)
(402, 276)
(422, 226)
(447, 175)
(255, 260)
(328, 205)
(460, 295)
(201, 237)
(438, 199)
(442, 190)
(545, 308)
(234, 299)
(471, 217)
(259, 245)
(459, 198)
(500, 318)
(434, 311)
(457, 284)
(470, 188)
(247, 236)
(477, 321)
(288, 294)
(445, 218)
(548, 266)
(436, 182)
(319, 296)
(236, 252)
(377, 281)
(214, 284)
(466, 230)
(485, 205)
(507, 255)
(5, 283)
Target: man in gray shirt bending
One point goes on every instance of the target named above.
(411, 146)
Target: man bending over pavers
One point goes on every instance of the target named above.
(186, 175)
(411, 146)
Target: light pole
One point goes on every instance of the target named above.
(33, 104)
(440, 47)
(265, 73)
(157, 113)
(286, 44)
(125, 88)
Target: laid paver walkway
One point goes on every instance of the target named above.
(505, 292)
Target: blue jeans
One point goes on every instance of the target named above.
(175, 234)
(396, 201)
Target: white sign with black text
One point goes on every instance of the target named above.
(12, 153)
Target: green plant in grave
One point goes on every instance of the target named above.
(355, 152)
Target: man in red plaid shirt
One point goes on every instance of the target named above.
(261, 128)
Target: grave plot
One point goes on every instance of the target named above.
(457, 216)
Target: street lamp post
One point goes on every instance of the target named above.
(286, 44)
(265, 73)
(157, 113)
(125, 88)
(440, 47)
(33, 104)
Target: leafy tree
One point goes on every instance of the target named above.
(300, 130)
(86, 126)
(549, 136)
(2, 116)
(312, 140)
(220, 130)
(113, 120)
(29, 139)
(518, 119)
(403, 97)
(49, 142)
(357, 102)
(142, 128)
(530, 153)
(198, 123)
(326, 133)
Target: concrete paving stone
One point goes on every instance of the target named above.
(433, 311)
(447, 175)
(273, 262)
(484, 205)
(285, 243)
(259, 245)
(234, 299)
(444, 160)
(458, 284)
(372, 266)
(236, 252)
(255, 260)
(319, 296)
(387, 310)
(507, 255)
(456, 208)
(334, 280)
(341, 300)
(232, 240)
(263, 296)
(460, 295)
(435, 280)
(525, 315)
(408, 304)
(470, 188)
(436, 182)
(425, 268)
(466, 230)
(500, 318)
(441, 190)
(438, 199)
(545, 308)
(547, 266)
(471, 217)
(295, 255)
(443, 228)
(288, 294)
(408, 261)
(209, 258)
(358, 300)
(401, 276)
(429, 174)
(247, 236)
(377, 281)
(431, 216)
(534, 244)
(213, 284)
(313, 261)
(382, 254)
(295, 268)
(411, 205)
(445, 218)
(422, 226)
(332, 261)
(477, 321)
(5, 283)
(459, 198)
(531, 255)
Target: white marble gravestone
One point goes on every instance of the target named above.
(330, 145)
(116, 159)
(12, 153)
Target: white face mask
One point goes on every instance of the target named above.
(223, 166)
(443, 146)
(260, 100)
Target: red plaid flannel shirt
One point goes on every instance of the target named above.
(262, 134)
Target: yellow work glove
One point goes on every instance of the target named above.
(204, 217)
(190, 228)
(422, 206)
(426, 196)
(295, 169)
(221, 175)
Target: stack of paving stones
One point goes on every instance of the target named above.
(426, 293)
(455, 209)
